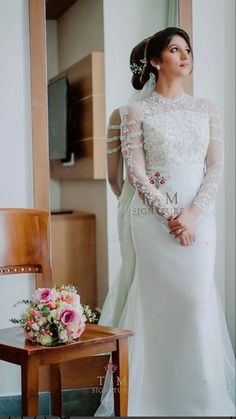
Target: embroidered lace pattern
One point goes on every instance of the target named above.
(164, 131)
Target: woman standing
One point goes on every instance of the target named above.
(181, 358)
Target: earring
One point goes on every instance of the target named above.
(158, 67)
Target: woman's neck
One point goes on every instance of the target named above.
(169, 89)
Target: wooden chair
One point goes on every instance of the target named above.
(24, 249)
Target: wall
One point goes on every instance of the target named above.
(16, 188)
(80, 31)
(208, 70)
(214, 67)
(52, 70)
(52, 48)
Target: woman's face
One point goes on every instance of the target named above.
(176, 58)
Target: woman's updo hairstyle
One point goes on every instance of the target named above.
(149, 49)
(136, 65)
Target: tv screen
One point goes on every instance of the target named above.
(58, 119)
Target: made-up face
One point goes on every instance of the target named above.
(176, 58)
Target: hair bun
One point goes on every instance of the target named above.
(136, 83)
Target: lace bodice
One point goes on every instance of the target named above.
(161, 131)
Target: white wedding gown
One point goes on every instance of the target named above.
(181, 359)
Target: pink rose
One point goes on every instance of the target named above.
(43, 295)
(162, 181)
(78, 333)
(157, 174)
(36, 313)
(69, 317)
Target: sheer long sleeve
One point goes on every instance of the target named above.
(113, 133)
(134, 157)
(114, 154)
(213, 163)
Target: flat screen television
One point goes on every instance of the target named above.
(58, 118)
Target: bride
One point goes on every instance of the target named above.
(181, 358)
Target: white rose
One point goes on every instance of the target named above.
(53, 314)
(35, 326)
(45, 339)
(42, 321)
(63, 337)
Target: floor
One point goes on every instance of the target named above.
(81, 402)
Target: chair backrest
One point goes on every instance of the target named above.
(24, 243)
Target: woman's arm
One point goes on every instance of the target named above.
(212, 178)
(114, 154)
(133, 152)
(214, 162)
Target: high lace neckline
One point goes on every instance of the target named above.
(165, 99)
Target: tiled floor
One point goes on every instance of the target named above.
(81, 402)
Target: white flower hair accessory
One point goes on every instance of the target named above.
(138, 69)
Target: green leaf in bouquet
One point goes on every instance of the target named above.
(45, 311)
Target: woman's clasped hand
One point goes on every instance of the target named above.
(181, 225)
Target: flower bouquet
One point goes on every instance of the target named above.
(54, 316)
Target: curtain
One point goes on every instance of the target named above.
(173, 13)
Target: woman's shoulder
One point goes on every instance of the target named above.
(134, 111)
(115, 118)
(202, 102)
(117, 115)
